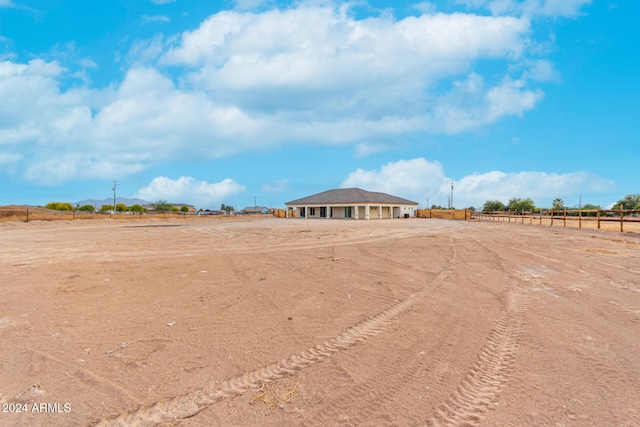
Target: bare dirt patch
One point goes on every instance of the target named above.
(317, 322)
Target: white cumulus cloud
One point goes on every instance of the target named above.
(419, 179)
(189, 190)
(155, 18)
(552, 8)
(541, 187)
(413, 179)
(311, 73)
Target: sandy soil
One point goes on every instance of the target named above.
(317, 323)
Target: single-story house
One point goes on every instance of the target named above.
(192, 209)
(211, 212)
(255, 210)
(351, 203)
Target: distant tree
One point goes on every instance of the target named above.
(59, 206)
(557, 203)
(184, 209)
(493, 205)
(137, 208)
(630, 201)
(589, 207)
(471, 208)
(228, 209)
(223, 207)
(434, 206)
(106, 208)
(517, 204)
(121, 207)
(162, 206)
(87, 208)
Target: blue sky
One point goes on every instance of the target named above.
(205, 103)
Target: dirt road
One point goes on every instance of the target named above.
(317, 323)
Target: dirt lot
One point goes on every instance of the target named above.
(318, 323)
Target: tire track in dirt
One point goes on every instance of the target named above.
(492, 369)
(387, 260)
(363, 403)
(190, 404)
(489, 374)
(233, 230)
(355, 406)
(85, 377)
(606, 264)
(369, 401)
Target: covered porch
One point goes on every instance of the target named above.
(367, 211)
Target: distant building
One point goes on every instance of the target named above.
(255, 210)
(212, 212)
(352, 203)
(192, 209)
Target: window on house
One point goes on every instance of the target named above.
(323, 212)
(347, 211)
(312, 211)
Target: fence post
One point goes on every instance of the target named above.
(522, 216)
(565, 217)
(598, 217)
(621, 217)
(579, 218)
(27, 214)
(551, 217)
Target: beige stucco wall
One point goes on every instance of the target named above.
(388, 211)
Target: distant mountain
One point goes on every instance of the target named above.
(107, 201)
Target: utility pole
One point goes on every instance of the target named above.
(115, 184)
(451, 198)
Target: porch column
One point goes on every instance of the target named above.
(380, 212)
(366, 211)
(356, 214)
(306, 212)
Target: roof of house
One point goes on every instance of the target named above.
(255, 208)
(350, 195)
